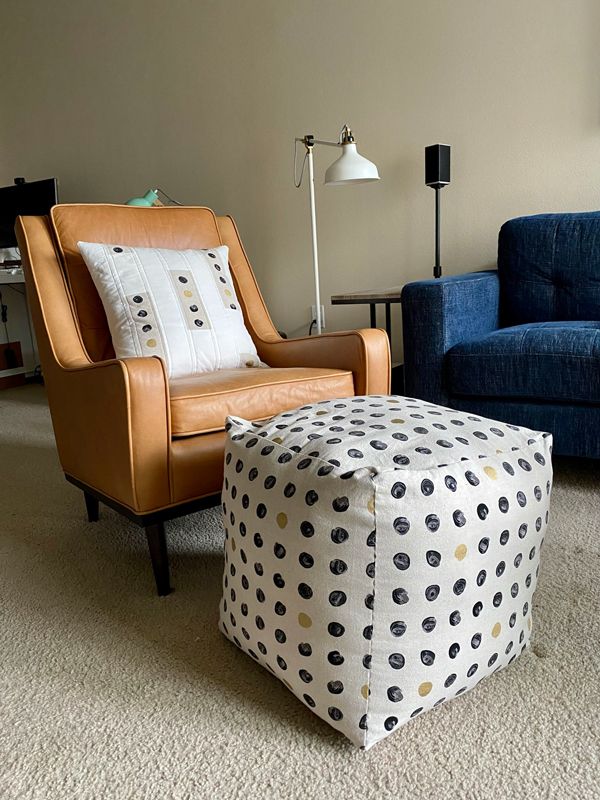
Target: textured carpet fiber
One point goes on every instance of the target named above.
(107, 691)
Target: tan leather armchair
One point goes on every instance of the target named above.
(128, 437)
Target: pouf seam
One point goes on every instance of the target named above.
(372, 470)
(372, 620)
(463, 460)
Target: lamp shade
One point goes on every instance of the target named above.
(149, 199)
(351, 167)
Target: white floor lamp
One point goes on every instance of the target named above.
(350, 167)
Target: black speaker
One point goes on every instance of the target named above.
(437, 165)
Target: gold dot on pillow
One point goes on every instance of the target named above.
(371, 505)
(460, 552)
(491, 473)
(151, 342)
(496, 630)
(282, 519)
(365, 691)
(227, 293)
(187, 293)
(398, 421)
(425, 688)
(304, 620)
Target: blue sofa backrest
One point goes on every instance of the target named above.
(549, 268)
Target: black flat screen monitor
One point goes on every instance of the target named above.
(35, 198)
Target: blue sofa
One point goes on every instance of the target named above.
(520, 344)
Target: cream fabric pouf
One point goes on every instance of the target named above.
(381, 553)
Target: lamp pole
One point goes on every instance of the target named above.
(309, 143)
(350, 167)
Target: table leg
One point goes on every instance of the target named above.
(372, 308)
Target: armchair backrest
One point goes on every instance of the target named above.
(549, 268)
(166, 226)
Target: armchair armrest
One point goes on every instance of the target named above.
(365, 352)
(111, 421)
(438, 314)
(110, 418)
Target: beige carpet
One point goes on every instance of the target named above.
(107, 691)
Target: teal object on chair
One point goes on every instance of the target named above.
(149, 199)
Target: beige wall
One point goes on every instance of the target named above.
(204, 98)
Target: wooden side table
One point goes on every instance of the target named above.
(372, 298)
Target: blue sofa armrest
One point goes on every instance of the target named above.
(438, 314)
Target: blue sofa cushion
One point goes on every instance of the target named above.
(548, 361)
(549, 268)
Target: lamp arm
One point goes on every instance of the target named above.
(327, 143)
(308, 141)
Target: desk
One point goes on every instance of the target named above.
(13, 278)
(372, 298)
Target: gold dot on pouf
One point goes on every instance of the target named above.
(460, 552)
(491, 473)
(365, 691)
(282, 519)
(496, 630)
(304, 620)
(187, 293)
(425, 688)
(151, 342)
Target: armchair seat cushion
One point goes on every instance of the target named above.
(553, 361)
(201, 403)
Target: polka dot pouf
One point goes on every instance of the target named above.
(381, 553)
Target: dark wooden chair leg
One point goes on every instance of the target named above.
(157, 544)
(92, 505)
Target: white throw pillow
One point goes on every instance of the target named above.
(177, 304)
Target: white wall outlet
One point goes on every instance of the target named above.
(313, 315)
